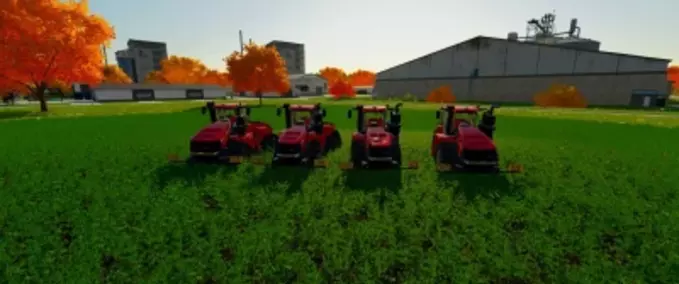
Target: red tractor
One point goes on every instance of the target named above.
(230, 136)
(306, 137)
(376, 141)
(461, 142)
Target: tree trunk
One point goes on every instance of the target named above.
(259, 94)
(40, 94)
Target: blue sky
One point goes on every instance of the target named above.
(375, 35)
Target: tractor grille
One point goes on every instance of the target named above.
(288, 149)
(379, 152)
(205, 146)
(480, 155)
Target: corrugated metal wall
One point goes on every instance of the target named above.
(512, 71)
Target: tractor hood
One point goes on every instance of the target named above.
(377, 137)
(292, 135)
(213, 132)
(474, 139)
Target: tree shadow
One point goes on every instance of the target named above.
(13, 114)
(477, 184)
(293, 176)
(373, 179)
(190, 173)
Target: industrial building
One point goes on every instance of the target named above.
(292, 53)
(140, 58)
(514, 69)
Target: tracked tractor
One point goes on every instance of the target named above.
(376, 141)
(307, 138)
(231, 136)
(461, 142)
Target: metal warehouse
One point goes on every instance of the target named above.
(515, 69)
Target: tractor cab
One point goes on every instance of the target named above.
(454, 117)
(378, 117)
(236, 115)
(308, 116)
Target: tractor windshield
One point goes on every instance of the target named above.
(224, 114)
(375, 119)
(466, 119)
(301, 117)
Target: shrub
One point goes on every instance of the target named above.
(560, 95)
(342, 89)
(442, 94)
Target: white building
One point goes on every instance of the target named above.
(151, 92)
(308, 85)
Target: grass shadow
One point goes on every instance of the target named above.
(473, 185)
(373, 179)
(191, 174)
(293, 176)
(13, 114)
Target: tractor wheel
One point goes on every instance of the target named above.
(334, 141)
(447, 154)
(357, 154)
(269, 142)
(397, 154)
(313, 151)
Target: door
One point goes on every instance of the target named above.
(319, 90)
(647, 101)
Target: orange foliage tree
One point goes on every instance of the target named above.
(442, 94)
(114, 75)
(342, 89)
(362, 78)
(673, 75)
(45, 41)
(560, 95)
(186, 70)
(258, 69)
(332, 74)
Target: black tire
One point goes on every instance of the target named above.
(334, 141)
(397, 154)
(313, 152)
(269, 142)
(357, 154)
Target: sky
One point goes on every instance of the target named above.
(378, 34)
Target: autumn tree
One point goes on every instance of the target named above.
(114, 75)
(186, 70)
(258, 69)
(362, 78)
(673, 75)
(442, 94)
(560, 95)
(332, 74)
(45, 41)
(342, 89)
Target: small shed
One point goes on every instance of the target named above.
(308, 85)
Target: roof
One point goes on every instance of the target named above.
(300, 76)
(280, 42)
(138, 41)
(479, 38)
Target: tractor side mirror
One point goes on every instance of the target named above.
(438, 114)
(203, 110)
(349, 114)
(247, 111)
(278, 112)
(325, 113)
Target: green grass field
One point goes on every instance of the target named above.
(88, 195)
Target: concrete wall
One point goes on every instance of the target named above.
(598, 89)
(515, 71)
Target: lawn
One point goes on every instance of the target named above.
(93, 198)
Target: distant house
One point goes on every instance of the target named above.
(308, 85)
